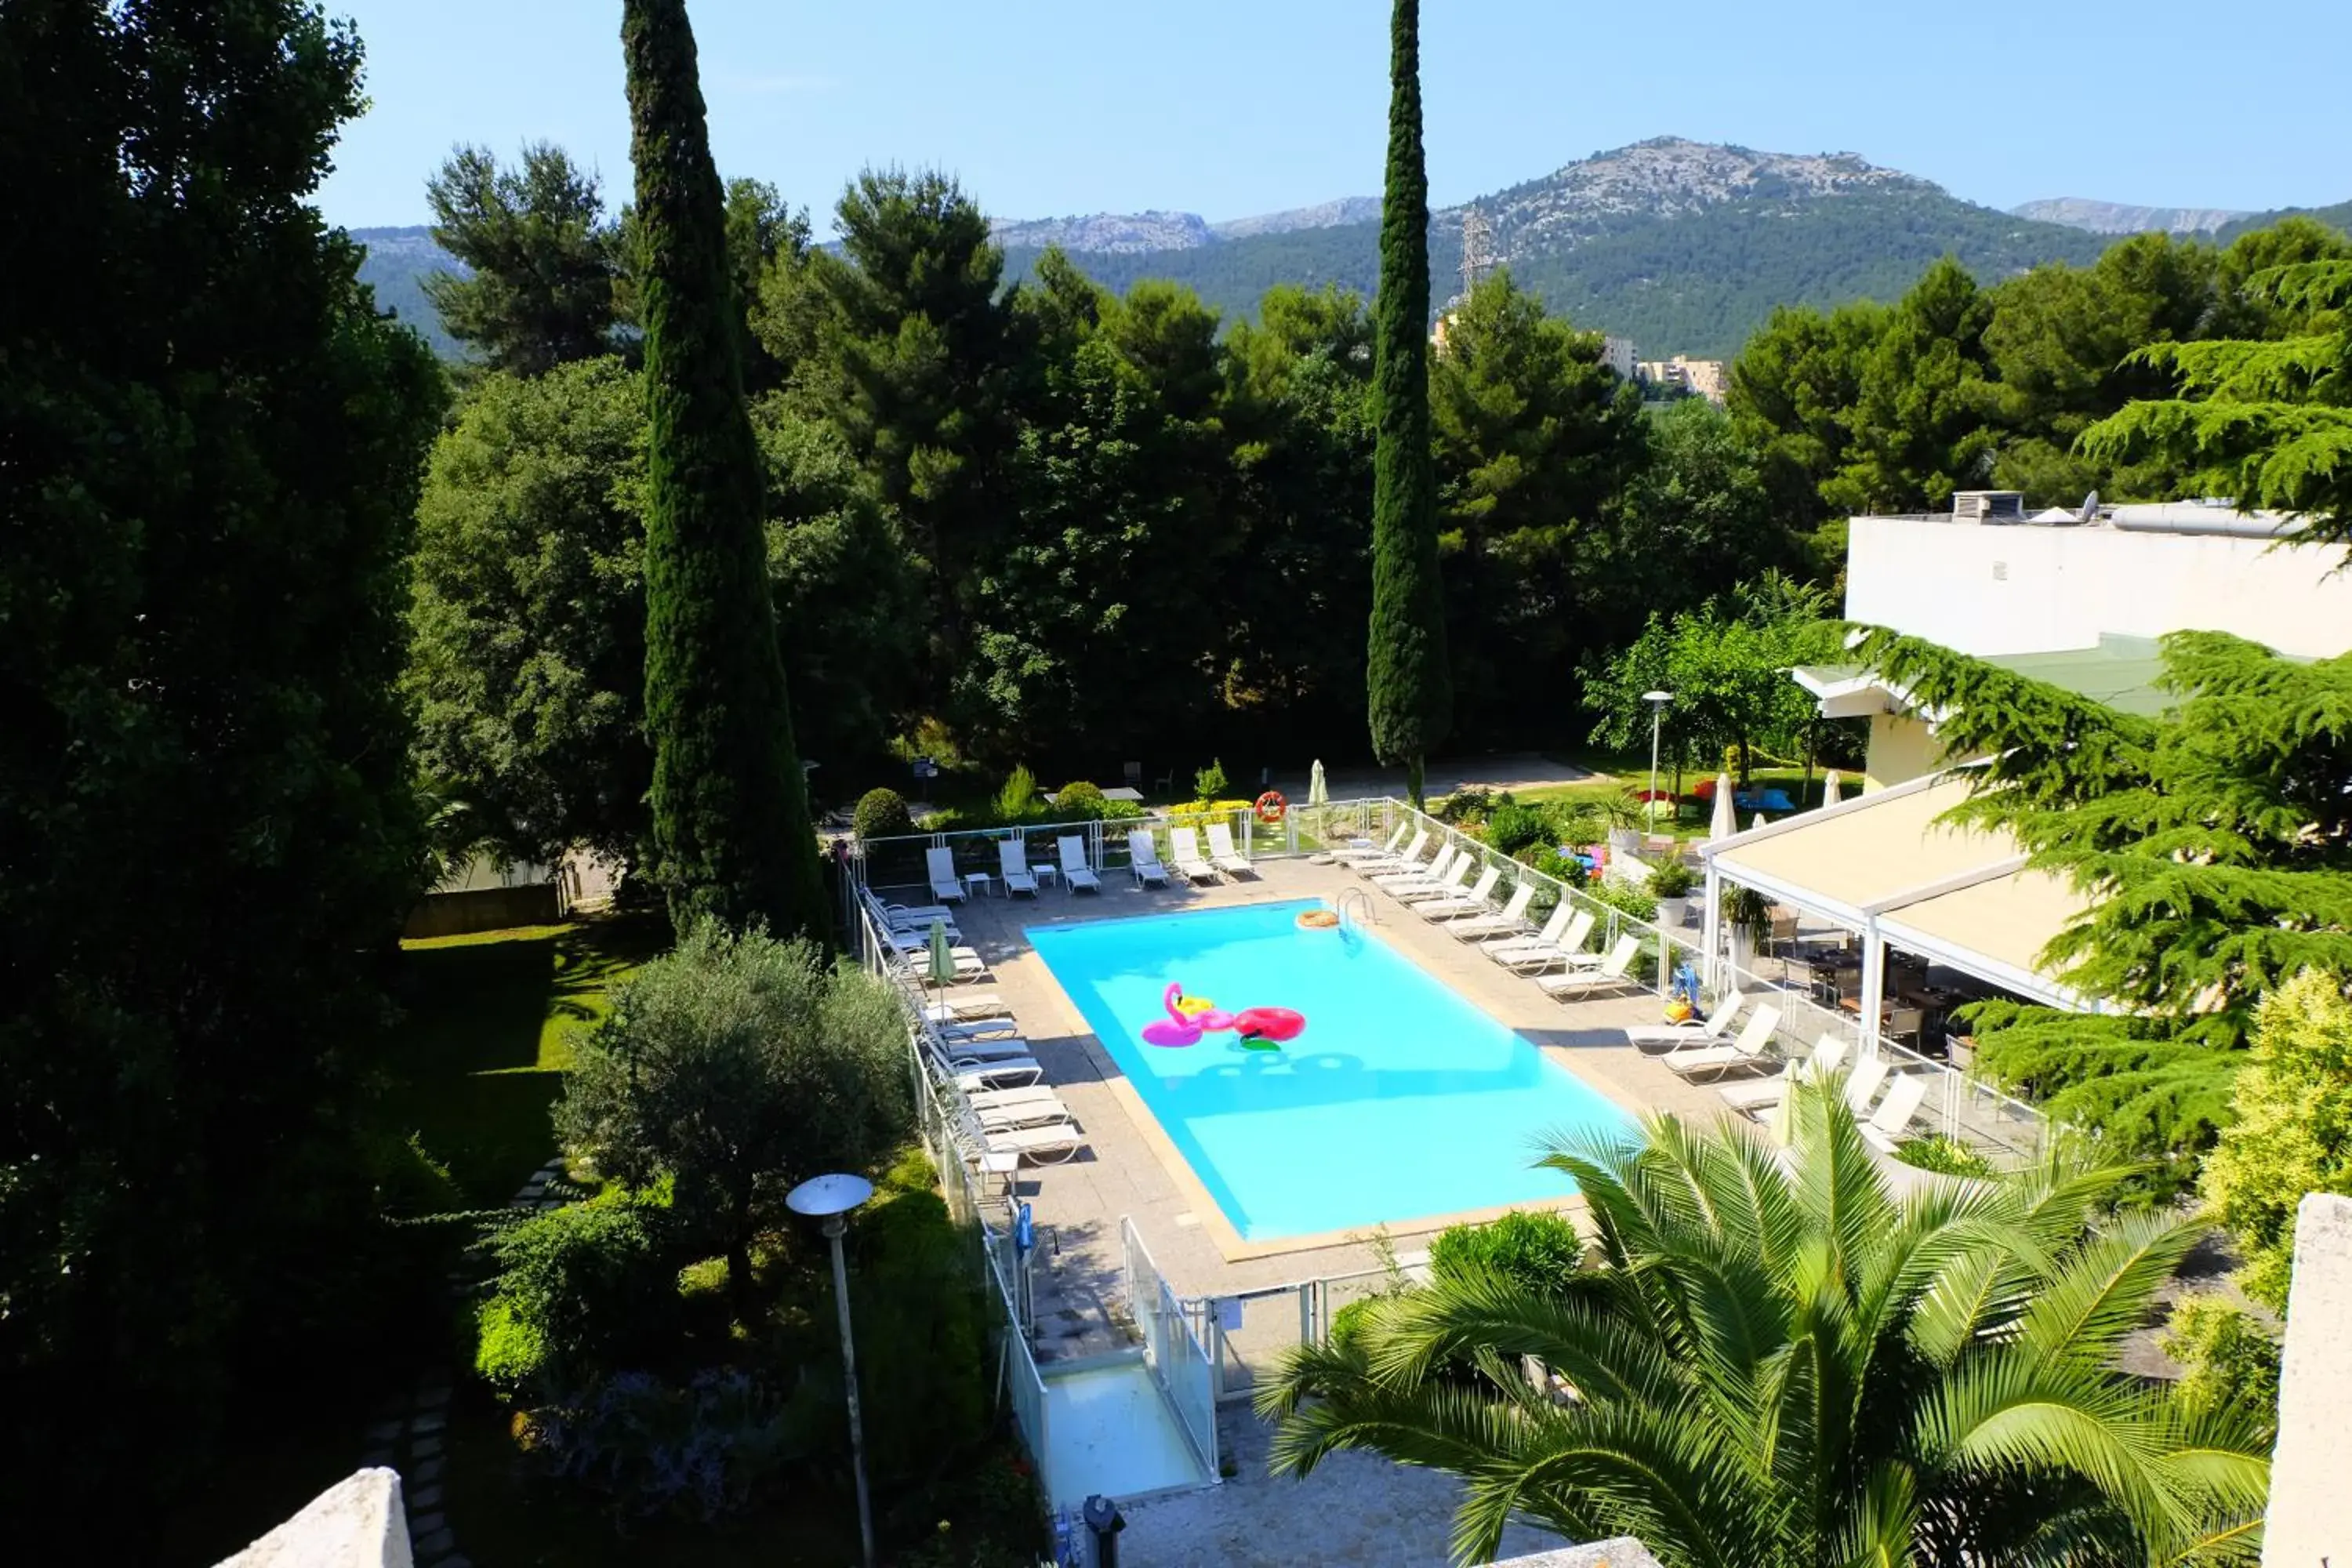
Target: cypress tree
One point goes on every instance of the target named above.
(1412, 700)
(729, 801)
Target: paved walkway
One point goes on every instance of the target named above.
(1356, 1510)
(1512, 771)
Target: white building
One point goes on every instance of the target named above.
(1617, 353)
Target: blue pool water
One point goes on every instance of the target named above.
(1400, 1102)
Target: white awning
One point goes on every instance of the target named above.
(1962, 895)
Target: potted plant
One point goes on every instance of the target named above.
(1670, 884)
(1749, 913)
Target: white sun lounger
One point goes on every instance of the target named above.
(1022, 1113)
(1534, 957)
(939, 861)
(907, 915)
(1184, 853)
(959, 1029)
(1076, 872)
(1513, 917)
(1747, 1051)
(1863, 1082)
(1351, 854)
(1002, 1073)
(1477, 900)
(1028, 1094)
(1223, 856)
(1041, 1145)
(1715, 1027)
(1436, 874)
(997, 1046)
(969, 964)
(1012, 863)
(1503, 949)
(1886, 1126)
(1407, 860)
(1450, 886)
(950, 1007)
(1758, 1099)
(915, 939)
(1143, 860)
(1614, 970)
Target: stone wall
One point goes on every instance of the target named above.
(355, 1524)
(2310, 1522)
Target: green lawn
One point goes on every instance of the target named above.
(488, 1030)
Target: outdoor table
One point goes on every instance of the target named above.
(1047, 875)
(1005, 1164)
(977, 882)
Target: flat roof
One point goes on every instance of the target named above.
(2009, 920)
(2119, 671)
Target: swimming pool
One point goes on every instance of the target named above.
(1400, 1102)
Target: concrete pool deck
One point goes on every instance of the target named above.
(1128, 1169)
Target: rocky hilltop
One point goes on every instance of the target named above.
(1106, 234)
(1322, 215)
(2117, 218)
(1669, 177)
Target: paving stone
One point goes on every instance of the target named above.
(427, 1498)
(424, 1524)
(433, 1397)
(425, 1449)
(384, 1432)
(428, 1423)
(439, 1543)
(424, 1472)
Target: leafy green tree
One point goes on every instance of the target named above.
(1299, 418)
(2060, 349)
(912, 350)
(2210, 845)
(1916, 431)
(2290, 1128)
(1694, 518)
(540, 258)
(1411, 695)
(213, 444)
(1727, 664)
(738, 1066)
(1793, 390)
(527, 666)
(1118, 538)
(1534, 439)
(730, 800)
(1783, 1365)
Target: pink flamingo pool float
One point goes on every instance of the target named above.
(1190, 1017)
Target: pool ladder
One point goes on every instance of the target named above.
(1355, 898)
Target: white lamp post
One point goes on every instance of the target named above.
(1657, 701)
(828, 1198)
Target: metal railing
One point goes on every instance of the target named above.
(900, 860)
(1173, 1348)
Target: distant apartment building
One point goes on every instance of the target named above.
(2075, 600)
(1683, 376)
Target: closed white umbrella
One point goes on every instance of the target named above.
(1830, 789)
(1317, 793)
(1726, 814)
(1758, 823)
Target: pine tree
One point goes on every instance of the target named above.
(1411, 700)
(2269, 422)
(729, 801)
(2214, 844)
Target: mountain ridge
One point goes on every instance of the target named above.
(2122, 219)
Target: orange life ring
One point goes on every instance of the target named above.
(1271, 807)
(1317, 919)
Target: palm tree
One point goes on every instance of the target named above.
(1778, 1366)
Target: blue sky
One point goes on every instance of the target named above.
(1045, 107)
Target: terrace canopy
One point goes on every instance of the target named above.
(1886, 867)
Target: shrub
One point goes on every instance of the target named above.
(2226, 1356)
(1746, 908)
(1123, 811)
(1079, 802)
(1511, 828)
(1944, 1155)
(1018, 801)
(1211, 783)
(948, 819)
(1670, 879)
(697, 1451)
(1535, 1248)
(881, 814)
(919, 1306)
(1638, 902)
(1547, 859)
(1349, 1320)
(581, 1291)
(1470, 804)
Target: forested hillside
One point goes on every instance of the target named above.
(398, 260)
(2338, 217)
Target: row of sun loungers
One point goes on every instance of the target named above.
(1185, 855)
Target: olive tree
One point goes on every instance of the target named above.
(738, 1065)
